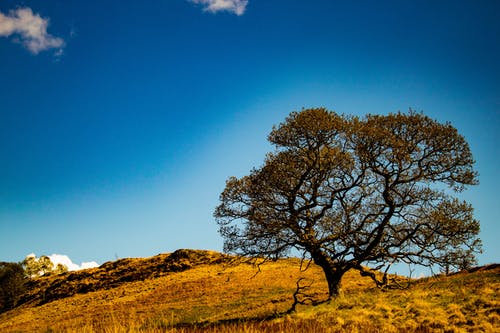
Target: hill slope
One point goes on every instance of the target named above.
(189, 291)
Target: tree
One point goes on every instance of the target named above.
(31, 266)
(355, 193)
(34, 266)
(46, 265)
(12, 284)
(60, 268)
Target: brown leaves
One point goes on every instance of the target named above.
(412, 147)
(308, 129)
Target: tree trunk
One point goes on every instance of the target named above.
(333, 274)
(334, 280)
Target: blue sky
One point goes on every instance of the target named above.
(121, 120)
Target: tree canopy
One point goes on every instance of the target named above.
(34, 266)
(356, 193)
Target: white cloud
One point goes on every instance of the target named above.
(66, 261)
(235, 6)
(32, 30)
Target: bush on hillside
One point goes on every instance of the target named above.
(12, 284)
(34, 266)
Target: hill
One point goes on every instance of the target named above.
(198, 291)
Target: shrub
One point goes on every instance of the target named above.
(12, 284)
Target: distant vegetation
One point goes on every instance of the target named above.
(12, 285)
(34, 266)
(14, 278)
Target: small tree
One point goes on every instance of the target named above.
(355, 193)
(12, 284)
(60, 268)
(34, 266)
(31, 266)
(46, 265)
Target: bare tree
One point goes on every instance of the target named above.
(355, 193)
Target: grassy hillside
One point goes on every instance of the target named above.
(201, 291)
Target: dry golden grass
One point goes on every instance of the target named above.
(222, 298)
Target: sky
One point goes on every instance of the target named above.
(121, 120)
